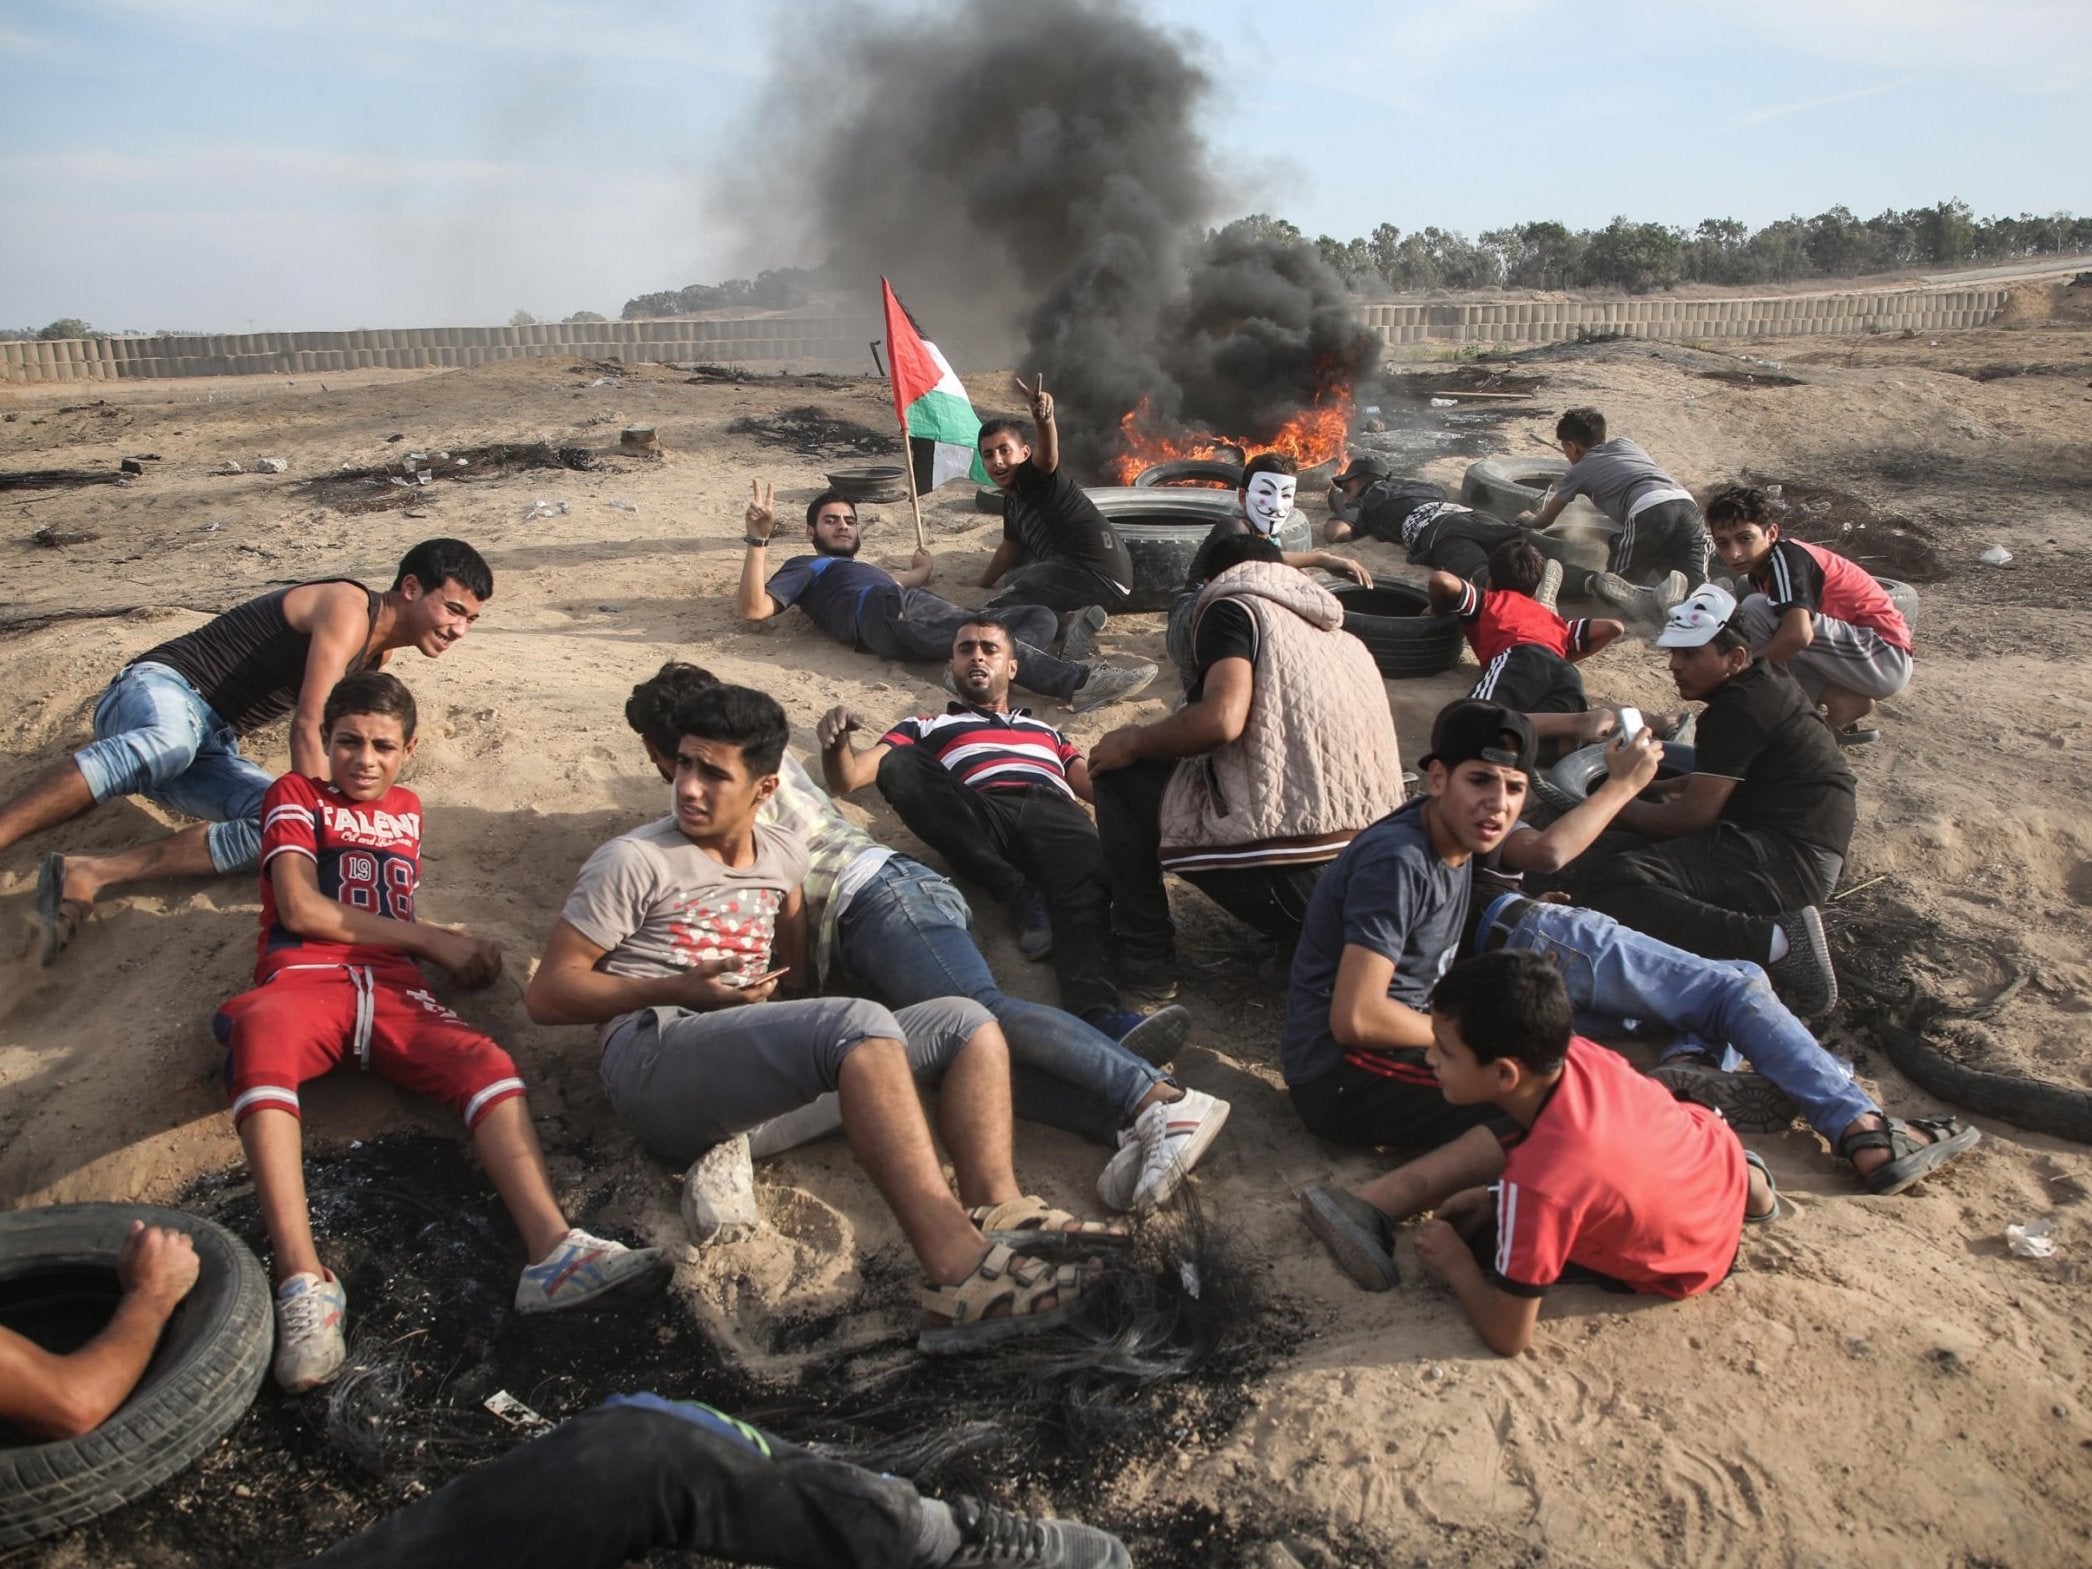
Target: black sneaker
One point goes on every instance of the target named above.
(1804, 979)
(1155, 1038)
(1034, 924)
(1748, 1102)
(1079, 637)
(990, 1536)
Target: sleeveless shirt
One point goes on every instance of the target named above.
(249, 663)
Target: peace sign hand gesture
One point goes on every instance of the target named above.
(1040, 399)
(761, 520)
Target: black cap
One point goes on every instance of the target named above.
(1364, 466)
(1482, 732)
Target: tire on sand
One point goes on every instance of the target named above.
(1505, 487)
(1405, 641)
(60, 1261)
(1570, 782)
(1904, 598)
(1163, 527)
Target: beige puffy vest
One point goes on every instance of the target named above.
(1317, 760)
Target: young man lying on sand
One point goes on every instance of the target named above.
(675, 940)
(169, 725)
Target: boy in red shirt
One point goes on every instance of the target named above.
(1527, 652)
(335, 979)
(1604, 1175)
(1824, 619)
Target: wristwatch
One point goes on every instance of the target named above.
(750, 539)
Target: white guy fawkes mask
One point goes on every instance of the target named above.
(1268, 502)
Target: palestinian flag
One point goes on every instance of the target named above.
(943, 431)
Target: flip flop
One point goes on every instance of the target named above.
(62, 918)
(1753, 1159)
(1358, 1236)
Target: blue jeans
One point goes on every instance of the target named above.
(1614, 972)
(907, 934)
(155, 736)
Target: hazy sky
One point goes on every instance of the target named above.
(217, 165)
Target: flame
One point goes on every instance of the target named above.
(1314, 435)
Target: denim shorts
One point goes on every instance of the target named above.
(155, 736)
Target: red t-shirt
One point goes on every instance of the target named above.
(1618, 1177)
(1824, 583)
(1499, 620)
(367, 853)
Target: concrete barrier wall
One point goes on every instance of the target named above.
(842, 340)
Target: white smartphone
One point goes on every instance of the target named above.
(1630, 725)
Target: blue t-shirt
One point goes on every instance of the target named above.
(1389, 892)
(831, 589)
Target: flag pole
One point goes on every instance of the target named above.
(922, 539)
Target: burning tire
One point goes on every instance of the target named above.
(58, 1273)
(1163, 528)
(1209, 472)
(1505, 487)
(1391, 620)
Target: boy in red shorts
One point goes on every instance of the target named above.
(1823, 619)
(1605, 1177)
(335, 981)
(1528, 653)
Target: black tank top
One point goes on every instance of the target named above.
(249, 663)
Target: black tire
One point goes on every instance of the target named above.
(1163, 528)
(1505, 487)
(1569, 782)
(1391, 620)
(989, 500)
(1208, 472)
(200, 1381)
(882, 482)
(1904, 598)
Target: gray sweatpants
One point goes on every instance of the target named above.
(1859, 659)
(682, 1082)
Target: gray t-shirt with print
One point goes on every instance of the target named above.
(657, 904)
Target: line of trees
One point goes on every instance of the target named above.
(1640, 257)
(781, 288)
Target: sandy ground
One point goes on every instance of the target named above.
(1881, 1381)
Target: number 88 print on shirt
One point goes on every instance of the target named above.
(366, 854)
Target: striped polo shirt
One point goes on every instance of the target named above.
(989, 750)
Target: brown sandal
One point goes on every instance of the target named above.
(999, 1300)
(1031, 1225)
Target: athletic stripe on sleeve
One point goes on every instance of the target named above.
(275, 850)
(1506, 1224)
(500, 1089)
(265, 1094)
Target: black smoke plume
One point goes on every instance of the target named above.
(1036, 169)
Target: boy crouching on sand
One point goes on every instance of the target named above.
(335, 979)
(1605, 1177)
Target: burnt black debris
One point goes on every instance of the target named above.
(381, 487)
(815, 433)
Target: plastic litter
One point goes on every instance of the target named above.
(1445, 403)
(545, 509)
(271, 466)
(514, 1412)
(625, 506)
(1995, 556)
(1188, 1272)
(2031, 1240)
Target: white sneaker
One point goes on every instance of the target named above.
(719, 1194)
(1549, 593)
(1159, 1150)
(310, 1346)
(583, 1270)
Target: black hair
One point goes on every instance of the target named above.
(827, 498)
(1729, 639)
(999, 619)
(740, 716)
(1000, 426)
(1742, 504)
(651, 708)
(434, 562)
(1516, 566)
(1269, 463)
(370, 692)
(1584, 426)
(1231, 550)
(1508, 1004)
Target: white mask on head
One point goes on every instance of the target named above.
(1268, 501)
